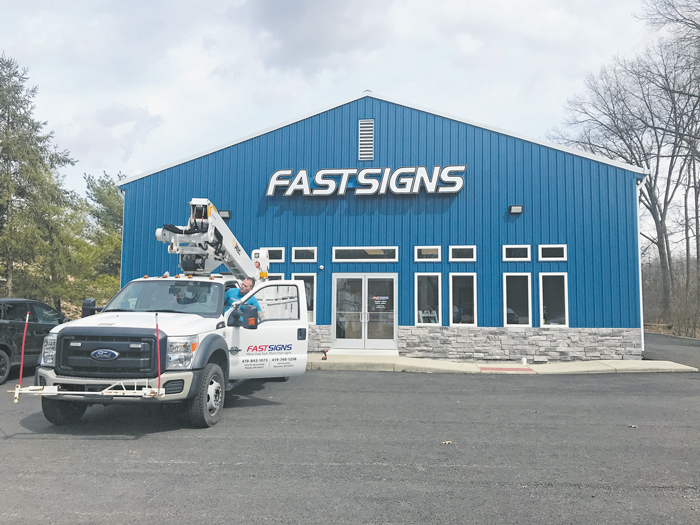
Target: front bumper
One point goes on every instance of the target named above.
(175, 386)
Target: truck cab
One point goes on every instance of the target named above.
(172, 335)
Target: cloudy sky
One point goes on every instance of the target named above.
(132, 85)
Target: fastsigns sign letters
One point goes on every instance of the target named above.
(368, 181)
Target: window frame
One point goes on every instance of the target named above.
(336, 260)
(505, 299)
(476, 319)
(268, 284)
(551, 259)
(415, 254)
(315, 250)
(460, 259)
(518, 259)
(309, 274)
(566, 298)
(270, 274)
(415, 298)
(275, 261)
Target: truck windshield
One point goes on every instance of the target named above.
(194, 297)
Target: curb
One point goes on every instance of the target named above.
(441, 366)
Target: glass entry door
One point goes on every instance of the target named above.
(364, 311)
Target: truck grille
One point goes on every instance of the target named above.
(123, 356)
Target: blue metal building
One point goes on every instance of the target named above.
(420, 233)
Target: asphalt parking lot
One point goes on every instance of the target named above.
(669, 348)
(371, 447)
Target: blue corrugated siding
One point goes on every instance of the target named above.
(587, 205)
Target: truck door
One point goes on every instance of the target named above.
(277, 348)
(14, 317)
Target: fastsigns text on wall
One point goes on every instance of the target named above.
(368, 181)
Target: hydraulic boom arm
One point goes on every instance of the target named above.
(206, 243)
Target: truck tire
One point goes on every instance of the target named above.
(62, 412)
(204, 409)
(4, 366)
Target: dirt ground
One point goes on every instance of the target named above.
(666, 329)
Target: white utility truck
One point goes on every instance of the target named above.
(168, 339)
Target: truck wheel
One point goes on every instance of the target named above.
(4, 366)
(205, 408)
(62, 412)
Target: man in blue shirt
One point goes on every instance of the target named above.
(236, 294)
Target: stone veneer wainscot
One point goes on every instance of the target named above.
(538, 345)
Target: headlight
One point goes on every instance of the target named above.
(181, 352)
(48, 351)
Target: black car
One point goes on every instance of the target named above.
(13, 314)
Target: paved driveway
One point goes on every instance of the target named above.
(668, 348)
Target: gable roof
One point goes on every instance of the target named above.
(559, 147)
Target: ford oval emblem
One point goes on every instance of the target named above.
(104, 354)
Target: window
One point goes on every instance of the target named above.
(310, 287)
(427, 254)
(300, 255)
(16, 312)
(516, 253)
(275, 276)
(428, 299)
(366, 254)
(366, 140)
(276, 254)
(462, 253)
(554, 295)
(552, 252)
(463, 299)
(278, 302)
(46, 314)
(205, 298)
(516, 299)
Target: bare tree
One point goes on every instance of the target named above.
(682, 17)
(643, 111)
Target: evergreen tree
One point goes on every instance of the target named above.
(104, 233)
(29, 188)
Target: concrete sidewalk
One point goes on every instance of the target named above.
(443, 366)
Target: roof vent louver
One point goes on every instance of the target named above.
(366, 142)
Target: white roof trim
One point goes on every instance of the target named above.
(559, 147)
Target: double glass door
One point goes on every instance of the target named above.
(364, 311)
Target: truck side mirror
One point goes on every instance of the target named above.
(250, 317)
(88, 307)
(245, 316)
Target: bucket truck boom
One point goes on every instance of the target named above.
(206, 243)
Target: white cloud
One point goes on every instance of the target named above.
(129, 86)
